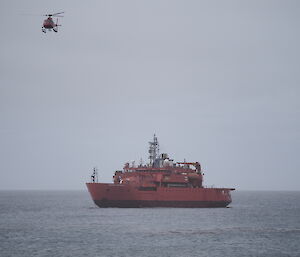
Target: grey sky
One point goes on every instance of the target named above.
(217, 81)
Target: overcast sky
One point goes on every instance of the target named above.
(217, 81)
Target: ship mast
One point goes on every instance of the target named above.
(153, 150)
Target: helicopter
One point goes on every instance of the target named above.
(49, 24)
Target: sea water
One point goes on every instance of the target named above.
(67, 223)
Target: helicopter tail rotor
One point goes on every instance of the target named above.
(56, 25)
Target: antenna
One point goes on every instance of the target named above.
(153, 150)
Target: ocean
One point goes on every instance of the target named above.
(67, 223)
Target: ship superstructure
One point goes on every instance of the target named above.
(160, 183)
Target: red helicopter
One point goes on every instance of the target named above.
(49, 24)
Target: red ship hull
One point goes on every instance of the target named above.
(128, 196)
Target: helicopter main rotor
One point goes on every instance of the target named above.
(54, 14)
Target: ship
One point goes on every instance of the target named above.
(161, 182)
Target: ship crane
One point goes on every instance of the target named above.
(195, 164)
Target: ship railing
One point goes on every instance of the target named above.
(220, 188)
(209, 186)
